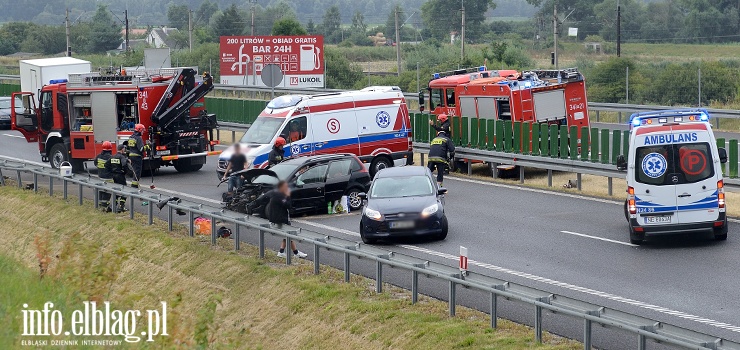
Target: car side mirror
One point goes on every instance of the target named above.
(441, 191)
(421, 101)
(362, 195)
(621, 162)
(722, 155)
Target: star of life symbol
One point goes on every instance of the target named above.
(383, 119)
(295, 149)
(654, 165)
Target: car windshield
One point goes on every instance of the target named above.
(281, 170)
(5, 103)
(284, 101)
(262, 130)
(674, 164)
(402, 186)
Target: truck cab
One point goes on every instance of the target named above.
(674, 175)
(43, 122)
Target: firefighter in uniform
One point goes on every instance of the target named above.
(444, 124)
(277, 154)
(441, 152)
(104, 174)
(136, 148)
(117, 166)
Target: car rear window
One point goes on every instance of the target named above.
(406, 186)
(674, 164)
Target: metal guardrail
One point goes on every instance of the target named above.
(588, 313)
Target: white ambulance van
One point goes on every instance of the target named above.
(372, 123)
(674, 175)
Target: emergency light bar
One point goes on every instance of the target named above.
(669, 116)
(57, 81)
(480, 69)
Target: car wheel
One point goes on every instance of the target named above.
(720, 234)
(57, 155)
(626, 214)
(442, 235)
(353, 197)
(636, 238)
(366, 240)
(379, 163)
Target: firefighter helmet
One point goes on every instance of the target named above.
(442, 118)
(140, 128)
(107, 146)
(280, 142)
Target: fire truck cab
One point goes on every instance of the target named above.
(75, 116)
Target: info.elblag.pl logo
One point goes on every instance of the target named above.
(92, 321)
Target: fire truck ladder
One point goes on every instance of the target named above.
(184, 83)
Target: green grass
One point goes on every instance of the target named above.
(263, 304)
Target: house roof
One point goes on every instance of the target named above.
(164, 35)
(134, 31)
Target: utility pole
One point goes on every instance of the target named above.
(190, 29)
(125, 18)
(555, 32)
(619, 30)
(253, 8)
(398, 44)
(462, 32)
(66, 27)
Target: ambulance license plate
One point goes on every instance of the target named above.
(401, 224)
(662, 219)
(163, 153)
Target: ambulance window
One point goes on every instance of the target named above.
(674, 164)
(295, 130)
(450, 97)
(436, 99)
(694, 162)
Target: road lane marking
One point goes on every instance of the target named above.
(572, 287)
(18, 136)
(600, 238)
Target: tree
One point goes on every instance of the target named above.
(229, 23)
(105, 34)
(13, 34)
(441, 17)
(264, 19)
(288, 26)
(204, 13)
(358, 23)
(49, 40)
(331, 23)
(178, 16)
(311, 27)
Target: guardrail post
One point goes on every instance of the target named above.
(422, 159)
(261, 241)
(549, 177)
(288, 250)
(598, 116)
(18, 179)
(587, 334)
(452, 296)
(573, 140)
(605, 146)
(213, 230)
(733, 158)
(51, 186)
(521, 174)
(65, 190)
(237, 236)
(494, 169)
(96, 200)
(150, 208)
(494, 305)
(619, 118)
(80, 188)
(191, 223)
(346, 267)
(169, 217)
(35, 183)
(609, 185)
(538, 319)
(414, 286)
(379, 277)
(131, 199)
(616, 136)
(641, 342)
(578, 180)
(316, 262)
(594, 145)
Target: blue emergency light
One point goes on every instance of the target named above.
(57, 81)
(435, 76)
(481, 68)
(527, 84)
(669, 116)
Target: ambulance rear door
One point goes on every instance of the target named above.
(697, 169)
(655, 193)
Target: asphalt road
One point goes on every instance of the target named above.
(566, 244)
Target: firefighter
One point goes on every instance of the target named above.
(277, 154)
(104, 174)
(136, 148)
(117, 166)
(444, 124)
(441, 152)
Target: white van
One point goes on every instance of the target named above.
(674, 175)
(372, 123)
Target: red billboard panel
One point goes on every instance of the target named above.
(301, 58)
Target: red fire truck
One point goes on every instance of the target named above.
(78, 114)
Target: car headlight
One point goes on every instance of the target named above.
(430, 210)
(373, 214)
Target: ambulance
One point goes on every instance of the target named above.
(372, 123)
(674, 175)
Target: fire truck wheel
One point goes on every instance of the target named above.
(461, 166)
(380, 163)
(58, 154)
(185, 166)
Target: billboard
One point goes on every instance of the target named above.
(301, 59)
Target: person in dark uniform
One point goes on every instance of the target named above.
(104, 174)
(441, 151)
(277, 209)
(237, 162)
(117, 166)
(277, 154)
(136, 148)
(444, 124)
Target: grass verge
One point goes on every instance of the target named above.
(218, 298)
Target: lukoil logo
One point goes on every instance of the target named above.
(92, 320)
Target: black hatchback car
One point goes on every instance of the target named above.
(403, 202)
(315, 181)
